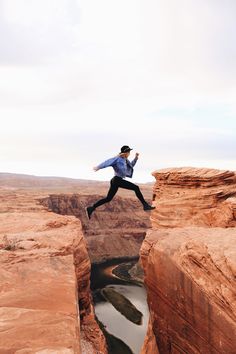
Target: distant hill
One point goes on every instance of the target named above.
(23, 180)
(15, 180)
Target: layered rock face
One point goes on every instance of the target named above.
(193, 196)
(190, 276)
(190, 262)
(45, 300)
(115, 230)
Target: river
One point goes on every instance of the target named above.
(115, 323)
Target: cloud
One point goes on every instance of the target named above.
(35, 31)
(159, 49)
(81, 78)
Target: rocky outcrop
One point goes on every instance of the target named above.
(189, 261)
(150, 343)
(194, 196)
(190, 276)
(45, 300)
(115, 230)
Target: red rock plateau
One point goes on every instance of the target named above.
(189, 261)
(45, 300)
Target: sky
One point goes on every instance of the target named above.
(79, 79)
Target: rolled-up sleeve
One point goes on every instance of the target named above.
(107, 163)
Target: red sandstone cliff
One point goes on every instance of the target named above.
(194, 196)
(45, 301)
(189, 261)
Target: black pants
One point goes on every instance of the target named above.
(115, 183)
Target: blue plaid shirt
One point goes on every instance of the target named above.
(122, 166)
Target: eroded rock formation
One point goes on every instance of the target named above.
(194, 196)
(189, 261)
(45, 301)
(190, 275)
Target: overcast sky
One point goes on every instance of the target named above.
(79, 79)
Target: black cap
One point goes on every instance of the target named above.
(125, 148)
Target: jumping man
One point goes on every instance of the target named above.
(122, 168)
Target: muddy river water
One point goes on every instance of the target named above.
(130, 335)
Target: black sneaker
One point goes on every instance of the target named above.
(148, 207)
(89, 211)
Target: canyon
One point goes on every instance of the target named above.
(187, 261)
(45, 255)
(115, 230)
